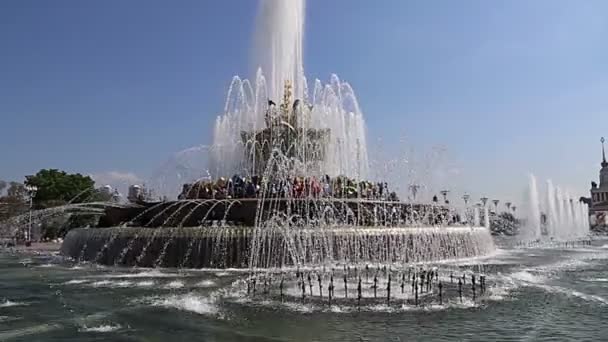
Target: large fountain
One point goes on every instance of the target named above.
(301, 194)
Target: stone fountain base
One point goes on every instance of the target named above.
(231, 247)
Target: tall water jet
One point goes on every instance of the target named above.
(551, 214)
(279, 45)
(559, 216)
(486, 217)
(560, 231)
(532, 228)
(569, 208)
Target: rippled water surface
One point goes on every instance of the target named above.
(536, 294)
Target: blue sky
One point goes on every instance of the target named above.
(508, 86)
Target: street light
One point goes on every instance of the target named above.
(484, 200)
(31, 191)
(496, 204)
(466, 197)
(445, 194)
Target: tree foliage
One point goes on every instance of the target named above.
(53, 188)
(57, 187)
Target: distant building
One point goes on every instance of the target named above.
(598, 208)
(106, 189)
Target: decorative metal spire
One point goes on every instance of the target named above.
(604, 163)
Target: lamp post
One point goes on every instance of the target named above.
(496, 205)
(31, 191)
(444, 193)
(466, 197)
(484, 201)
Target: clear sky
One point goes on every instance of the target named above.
(118, 86)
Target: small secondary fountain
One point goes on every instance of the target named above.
(555, 215)
(300, 196)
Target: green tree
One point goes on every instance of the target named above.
(54, 188)
(57, 187)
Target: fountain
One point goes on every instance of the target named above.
(556, 215)
(300, 196)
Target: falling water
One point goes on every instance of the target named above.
(532, 230)
(486, 217)
(552, 220)
(565, 217)
(332, 106)
(279, 39)
(561, 225)
(476, 220)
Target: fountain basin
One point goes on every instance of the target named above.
(232, 247)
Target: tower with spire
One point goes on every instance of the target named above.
(598, 206)
(604, 169)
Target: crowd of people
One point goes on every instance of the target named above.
(298, 187)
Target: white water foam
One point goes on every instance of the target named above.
(26, 261)
(206, 283)
(123, 283)
(498, 293)
(7, 304)
(144, 274)
(176, 284)
(75, 282)
(101, 283)
(189, 302)
(306, 308)
(299, 307)
(527, 277)
(598, 280)
(466, 303)
(101, 328)
(111, 283)
(574, 293)
(145, 283)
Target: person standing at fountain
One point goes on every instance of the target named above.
(327, 189)
(250, 191)
(315, 187)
